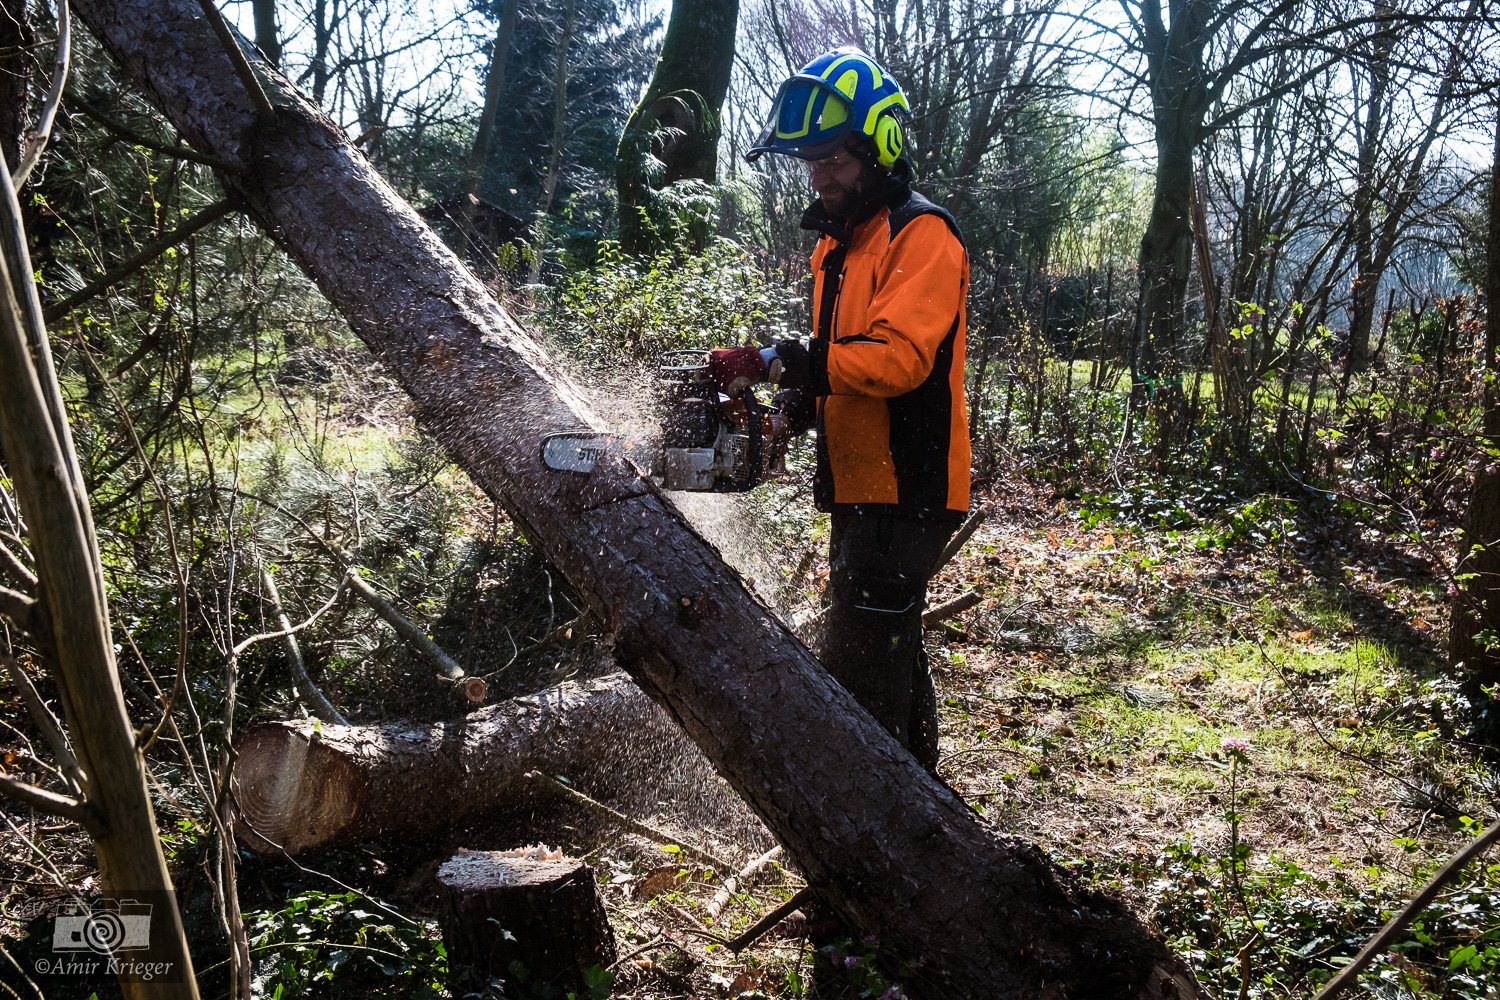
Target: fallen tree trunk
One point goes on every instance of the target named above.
(896, 853)
(301, 785)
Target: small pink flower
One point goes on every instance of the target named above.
(850, 961)
(1436, 453)
(1452, 590)
(1491, 469)
(1233, 744)
(894, 993)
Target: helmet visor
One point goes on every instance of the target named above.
(809, 120)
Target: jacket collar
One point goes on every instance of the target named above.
(890, 190)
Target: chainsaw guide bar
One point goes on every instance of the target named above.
(578, 452)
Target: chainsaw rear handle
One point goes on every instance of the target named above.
(684, 362)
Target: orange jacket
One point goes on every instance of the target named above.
(887, 359)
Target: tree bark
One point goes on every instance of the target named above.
(494, 87)
(503, 908)
(302, 785)
(896, 853)
(16, 62)
(1179, 101)
(1474, 639)
(677, 121)
(34, 435)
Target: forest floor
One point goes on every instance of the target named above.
(1239, 725)
(1244, 729)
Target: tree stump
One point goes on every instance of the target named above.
(530, 917)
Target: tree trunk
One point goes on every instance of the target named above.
(1375, 245)
(559, 137)
(1179, 99)
(988, 915)
(1474, 642)
(302, 785)
(267, 33)
(115, 806)
(677, 121)
(501, 909)
(1368, 272)
(494, 87)
(16, 40)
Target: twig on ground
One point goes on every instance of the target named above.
(799, 899)
(655, 942)
(961, 536)
(693, 926)
(733, 883)
(1380, 942)
(957, 606)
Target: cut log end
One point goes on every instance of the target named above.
(291, 792)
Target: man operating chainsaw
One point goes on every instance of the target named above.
(881, 378)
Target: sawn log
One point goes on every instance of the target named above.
(302, 785)
(896, 853)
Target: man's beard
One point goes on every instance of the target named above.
(841, 201)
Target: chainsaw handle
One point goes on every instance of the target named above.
(754, 408)
(674, 362)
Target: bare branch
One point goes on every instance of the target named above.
(22, 610)
(48, 802)
(135, 138)
(152, 250)
(242, 67)
(633, 825)
(338, 592)
(54, 96)
(52, 730)
(10, 563)
(403, 625)
(317, 701)
(1380, 942)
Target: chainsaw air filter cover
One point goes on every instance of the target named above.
(690, 423)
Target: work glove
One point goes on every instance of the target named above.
(735, 369)
(799, 407)
(792, 368)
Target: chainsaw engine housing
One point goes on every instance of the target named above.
(709, 442)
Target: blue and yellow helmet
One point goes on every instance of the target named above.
(838, 94)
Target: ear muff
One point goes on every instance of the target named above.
(889, 140)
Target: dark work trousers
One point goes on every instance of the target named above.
(878, 568)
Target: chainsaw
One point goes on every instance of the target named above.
(708, 442)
